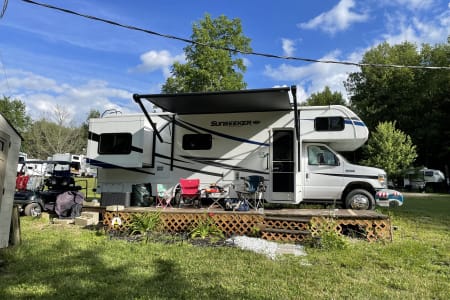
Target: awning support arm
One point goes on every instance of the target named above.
(297, 124)
(138, 100)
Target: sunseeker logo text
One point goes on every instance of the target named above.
(234, 123)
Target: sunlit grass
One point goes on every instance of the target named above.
(66, 262)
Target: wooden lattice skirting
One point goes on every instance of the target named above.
(248, 223)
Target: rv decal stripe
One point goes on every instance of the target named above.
(355, 122)
(105, 165)
(228, 136)
(350, 176)
(178, 123)
(211, 162)
(136, 149)
(93, 136)
(167, 157)
(197, 171)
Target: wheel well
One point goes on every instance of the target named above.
(357, 185)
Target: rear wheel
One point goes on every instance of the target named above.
(359, 199)
(33, 209)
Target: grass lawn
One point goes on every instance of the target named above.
(66, 262)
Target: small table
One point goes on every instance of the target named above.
(216, 197)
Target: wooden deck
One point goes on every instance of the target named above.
(294, 225)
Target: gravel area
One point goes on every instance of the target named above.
(271, 249)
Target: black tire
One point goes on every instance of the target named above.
(33, 209)
(359, 199)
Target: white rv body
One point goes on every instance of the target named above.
(223, 148)
(10, 141)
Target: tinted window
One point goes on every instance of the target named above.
(329, 123)
(197, 141)
(115, 143)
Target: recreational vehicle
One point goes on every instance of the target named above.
(424, 179)
(222, 137)
(10, 141)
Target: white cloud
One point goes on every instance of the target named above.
(41, 95)
(410, 4)
(313, 78)
(288, 47)
(337, 19)
(158, 60)
(400, 28)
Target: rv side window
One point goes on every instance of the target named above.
(319, 155)
(429, 173)
(115, 143)
(197, 142)
(329, 123)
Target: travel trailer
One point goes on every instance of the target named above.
(10, 141)
(422, 179)
(222, 137)
(78, 165)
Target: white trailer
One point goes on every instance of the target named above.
(222, 137)
(423, 178)
(10, 141)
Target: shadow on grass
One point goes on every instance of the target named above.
(60, 270)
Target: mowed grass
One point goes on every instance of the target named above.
(66, 262)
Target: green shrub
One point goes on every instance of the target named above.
(145, 223)
(324, 235)
(206, 228)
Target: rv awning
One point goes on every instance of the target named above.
(222, 102)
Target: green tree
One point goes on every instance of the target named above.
(326, 97)
(390, 149)
(49, 136)
(211, 68)
(417, 99)
(15, 112)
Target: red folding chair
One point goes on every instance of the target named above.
(189, 193)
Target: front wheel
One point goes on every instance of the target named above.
(33, 209)
(359, 199)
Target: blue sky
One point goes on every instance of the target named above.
(51, 59)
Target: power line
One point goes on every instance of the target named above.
(230, 49)
(5, 5)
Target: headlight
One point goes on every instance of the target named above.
(382, 179)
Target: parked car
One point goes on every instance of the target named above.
(38, 192)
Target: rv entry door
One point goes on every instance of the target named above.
(282, 171)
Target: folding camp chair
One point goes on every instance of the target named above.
(164, 195)
(253, 191)
(189, 192)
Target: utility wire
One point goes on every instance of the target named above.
(5, 5)
(234, 50)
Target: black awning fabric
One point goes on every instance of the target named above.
(222, 102)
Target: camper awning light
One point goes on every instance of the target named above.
(257, 100)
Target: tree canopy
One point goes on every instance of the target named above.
(15, 112)
(211, 68)
(417, 99)
(326, 97)
(390, 149)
